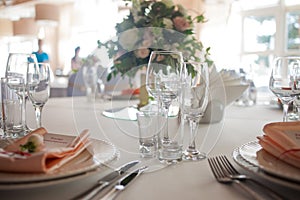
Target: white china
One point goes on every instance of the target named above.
(281, 173)
(97, 153)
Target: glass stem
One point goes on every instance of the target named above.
(38, 115)
(165, 127)
(193, 130)
(285, 112)
(298, 111)
(24, 113)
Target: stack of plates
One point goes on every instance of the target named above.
(256, 160)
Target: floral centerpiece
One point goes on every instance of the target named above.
(153, 25)
(90, 60)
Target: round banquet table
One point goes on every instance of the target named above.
(185, 180)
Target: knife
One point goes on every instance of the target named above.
(123, 183)
(106, 180)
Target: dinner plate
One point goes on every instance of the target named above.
(250, 163)
(51, 182)
(97, 153)
(253, 153)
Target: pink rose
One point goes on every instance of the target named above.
(142, 53)
(181, 24)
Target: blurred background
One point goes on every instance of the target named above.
(243, 34)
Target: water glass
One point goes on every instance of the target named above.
(12, 101)
(90, 79)
(149, 127)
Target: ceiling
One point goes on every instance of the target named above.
(16, 9)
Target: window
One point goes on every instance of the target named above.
(259, 33)
(268, 30)
(293, 30)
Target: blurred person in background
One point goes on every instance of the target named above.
(76, 60)
(41, 56)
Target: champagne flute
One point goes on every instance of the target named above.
(17, 64)
(195, 94)
(38, 87)
(163, 81)
(285, 81)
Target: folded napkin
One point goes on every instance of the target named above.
(282, 140)
(54, 151)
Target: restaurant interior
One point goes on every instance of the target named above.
(230, 30)
(233, 133)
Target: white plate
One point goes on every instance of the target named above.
(253, 153)
(249, 162)
(102, 151)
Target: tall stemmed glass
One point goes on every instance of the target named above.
(284, 81)
(17, 64)
(163, 81)
(38, 87)
(195, 94)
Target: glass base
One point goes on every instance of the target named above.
(169, 161)
(293, 117)
(27, 130)
(170, 153)
(13, 134)
(193, 155)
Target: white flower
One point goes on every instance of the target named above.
(128, 39)
(168, 3)
(168, 23)
(181, 9)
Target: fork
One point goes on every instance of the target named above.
(219, 173)
(234, 174)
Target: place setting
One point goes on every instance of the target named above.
(274, 155)
(35, 157)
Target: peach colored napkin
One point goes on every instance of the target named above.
(58, 149)
(282, 140)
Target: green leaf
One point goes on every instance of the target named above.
(200, 19)
(29, 147)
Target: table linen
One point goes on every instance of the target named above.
(186, 180)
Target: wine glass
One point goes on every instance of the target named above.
(163, 81)
(195, 94)
(38, 87)
(17, 64)
(285, 81)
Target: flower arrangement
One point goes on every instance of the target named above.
(90, 60)
(153, 25)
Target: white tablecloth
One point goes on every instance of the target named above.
(186, 180)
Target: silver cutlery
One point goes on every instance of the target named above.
(123, 183)
(234, 174)
(107, 180)
(219, 173)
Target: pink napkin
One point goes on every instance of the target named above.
(282, 140)
(58, 149)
